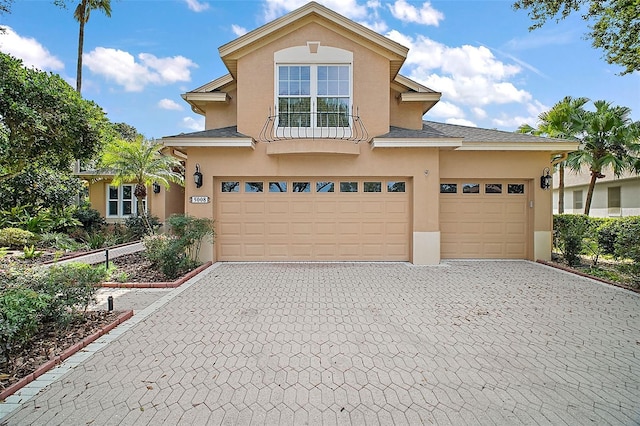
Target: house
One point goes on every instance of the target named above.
(612, 196)
(116, 203)
(315, 148)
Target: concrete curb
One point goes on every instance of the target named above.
(166, 284)
(63, 356)
(87, 253)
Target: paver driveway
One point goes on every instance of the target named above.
(508, 342)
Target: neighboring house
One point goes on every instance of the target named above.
(315, 149)
(117, 202)
(612, 196)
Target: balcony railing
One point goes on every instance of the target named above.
(314, 125)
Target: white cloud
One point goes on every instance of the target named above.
(349, 8)
(238, 30)
(197, 6)
(195, 124)
(479, 112)
(533, 108)
(461, 122)
(444, 109)
(169, 104)
(32, 53)
(406, 12)
(122, 67)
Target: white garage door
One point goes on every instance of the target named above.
(312, 219)
(484, 219)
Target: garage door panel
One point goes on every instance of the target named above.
(308, 226)
(484, 225)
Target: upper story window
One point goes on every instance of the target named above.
(314, 96)
(314, 91)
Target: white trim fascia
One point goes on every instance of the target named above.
(206, 96)
(416, 143)
(519, 146)
(211, 142)
(412, 85)
(214, 84)
(420, 97)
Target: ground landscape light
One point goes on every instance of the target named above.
(197, 176)
(545, 179)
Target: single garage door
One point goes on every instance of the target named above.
(312, 219)
(484, 219)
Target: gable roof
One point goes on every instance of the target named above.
(312, 12)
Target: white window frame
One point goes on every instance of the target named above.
(313, 55)
(121, 202)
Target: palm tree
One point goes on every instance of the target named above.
(610, 139)
(82, 14)
(561, 121)
(141, 162)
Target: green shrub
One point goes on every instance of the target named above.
(20, 313)
(57, 240)
(608, 232)
(96, 241)
(63, 219)
(569, 231)
(191, 232)
(16, 238)
(72, 287)
(167, 253)
(137, 229)
(30, 252)
(90, 218)
(627, 245)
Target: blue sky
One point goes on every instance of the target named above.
(492, 71)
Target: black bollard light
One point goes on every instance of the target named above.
(110, 303)
(106, 256)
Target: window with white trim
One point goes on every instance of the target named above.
(314, 96)
(121, 202)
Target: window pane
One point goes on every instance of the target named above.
(253, 187)
(493, 188)
(515, 188)
(333, 112)
(294, 112)
(230, 186)
(348, 186)
(470, 188)
(301, 186)
(395, 186)
(113, 192)
(113, 208)
(127, 209)
(277, 186)
(448, 188)
(373, 187)
(127, 192)
(324, 187)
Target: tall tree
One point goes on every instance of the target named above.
(43, 121)
(82, 13)
(141, 162)
(609, 139)
(562, 121)
(614, 25)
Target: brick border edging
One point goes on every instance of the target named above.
(582, 274)
(166, 284)
(48, 365)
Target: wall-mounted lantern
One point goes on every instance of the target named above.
(545, 179)
(197, 176)
(156, 187)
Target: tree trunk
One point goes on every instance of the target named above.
(592, 185)
(143, 215)
(80, 48)
(561, 189)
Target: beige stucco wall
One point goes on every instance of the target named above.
(407, 115)
(255, 93)
(222, 114)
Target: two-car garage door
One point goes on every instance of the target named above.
(312, 218)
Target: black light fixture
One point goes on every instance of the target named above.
(197, 176)
(156, 187)
(545, 179)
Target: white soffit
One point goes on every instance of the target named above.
(211, 142)
(416, 143)
(519, 146)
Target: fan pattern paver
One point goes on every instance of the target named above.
(355, 343)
